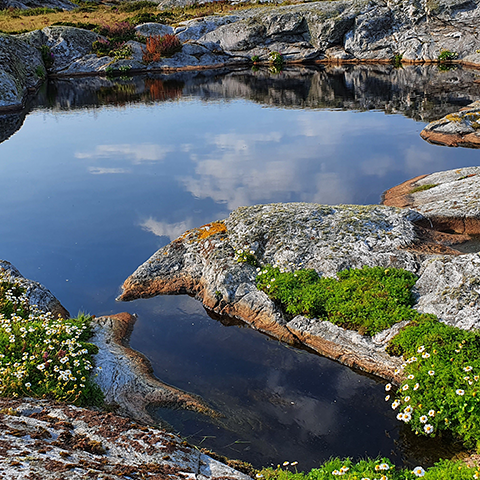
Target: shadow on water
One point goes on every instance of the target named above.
(276, 402)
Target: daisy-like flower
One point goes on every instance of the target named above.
(286, 463)
(468, 368)
(425, 355)
(407, 398)
(336, 472)
(407, 417)
(395, 404)
(408, 409)
(416, 386)
(384, 466)
(423, 419)
(400, 416)
(28, 384)
(419, 471)
(428, 428)
(387, 398)
(294, 463)
(344, 470)
(388, 387)
(431, 413)
(421, 349)
(460, 392)
(431, 372)
(411, 377)
(405, 387)
(476, 475)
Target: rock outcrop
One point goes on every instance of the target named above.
(53, 441)
(341, 31)
(449, 201)
(126, 377)
(37, 294)
(21, 70)
(460, 129)
(25, 4)
(329, 239)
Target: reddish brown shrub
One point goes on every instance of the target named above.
(161, 46)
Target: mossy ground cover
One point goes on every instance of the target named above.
(441, 390)
(368, 300)
(376, 469)
(42, 356)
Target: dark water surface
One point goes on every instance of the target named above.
(100, 173)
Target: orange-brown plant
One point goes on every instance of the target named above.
(161, 46)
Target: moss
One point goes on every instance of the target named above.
(422, 188)
(210, 229)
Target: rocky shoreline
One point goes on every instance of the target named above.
(327, 238)
(339, 31)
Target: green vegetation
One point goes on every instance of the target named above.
(379, 469)
(42, 356)
(368, 300)
(441, 390)
(246, 256)
(276, 58)
(47, 56)
(397, 61)
(422, 188)
(447, 56)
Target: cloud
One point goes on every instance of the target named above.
(146, 152)
(164, 229)
(379, 165)
(103, 171)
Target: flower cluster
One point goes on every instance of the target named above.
(247, 256)
(43, 356)
(441, 390)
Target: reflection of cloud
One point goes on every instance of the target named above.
(379, 165)
(146, 152)
(164, 229)
(102, 170)
(418, 162)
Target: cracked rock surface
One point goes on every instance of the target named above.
(54, 441)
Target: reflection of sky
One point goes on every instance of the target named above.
(106, 180)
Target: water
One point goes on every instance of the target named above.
(99, 174)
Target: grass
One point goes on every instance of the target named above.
(371, 469)
(91, 16)
(42, 356)
(422, 188)
(368, 300)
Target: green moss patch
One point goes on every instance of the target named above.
(368, 300)
(42, 356)
(422, 188)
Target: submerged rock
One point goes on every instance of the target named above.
(63, 441)
(328, 239)
(460, 129)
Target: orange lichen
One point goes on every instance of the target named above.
(210, 229)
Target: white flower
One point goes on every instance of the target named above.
(431, 372)
(405, 387)
(387, 398)
(431, 413)
(428, 428)
(423, 419)
(384, 466)
(425, 355)
(407, 417)
(416, 386)
(460, 392)
(420, 349)
(395, 404)
(410, 377)
(388, 387)
(400, 416)
(407, 398)
(28, 384)
(468, 368)
(286, 463)
(419, 471)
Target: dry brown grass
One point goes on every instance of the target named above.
(11, 23)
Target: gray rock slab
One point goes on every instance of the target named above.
(154, 29)
(81, 443)
(196, 28)
(25, 4)
(461, 129)
(37, 294)
(21, 70)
